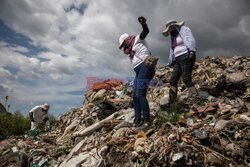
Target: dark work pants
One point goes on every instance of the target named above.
(142, 79)
(183, 67)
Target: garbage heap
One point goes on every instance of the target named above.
(214, 131)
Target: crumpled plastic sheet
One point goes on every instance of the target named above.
(129, 115)
(91, 158)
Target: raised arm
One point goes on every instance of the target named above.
(145, 29)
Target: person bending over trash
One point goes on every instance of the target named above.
(137, 49)
(181, 58)
(40, 114)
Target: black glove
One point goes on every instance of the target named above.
(192, 55)
(45, 119)
(31, 116)
(142, 20)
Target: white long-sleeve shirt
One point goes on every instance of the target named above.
(180, 48)
(39, 114)
(141, 50)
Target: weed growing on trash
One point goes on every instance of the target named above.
(174, 113)
(160, 120)
(173, 116)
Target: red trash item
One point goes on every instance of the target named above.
(203, 109)
(30, 143)
(107, 84)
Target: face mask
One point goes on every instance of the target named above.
(174, 33)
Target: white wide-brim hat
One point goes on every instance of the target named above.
(122, 38)
(171, 23)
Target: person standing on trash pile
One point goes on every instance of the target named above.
(40, 114)
(182, 58)
(137, 49)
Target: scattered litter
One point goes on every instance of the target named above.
(210, 132)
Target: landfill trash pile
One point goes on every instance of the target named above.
(214, 131)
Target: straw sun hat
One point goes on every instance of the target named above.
(171, 23)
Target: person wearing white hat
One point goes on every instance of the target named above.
(40, 114)
(137, 49)
(182, 58)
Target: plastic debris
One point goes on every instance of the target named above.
(213, 121)
(202, 135)
(177, 156)
(14, 149)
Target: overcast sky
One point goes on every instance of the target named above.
(49, 47)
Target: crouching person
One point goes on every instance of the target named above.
(40, 114)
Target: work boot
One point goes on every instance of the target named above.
(193, 96)
(146, 124)
(172, 95)
(137, 123)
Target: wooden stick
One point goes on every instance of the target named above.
(212, 151)
(89, 130)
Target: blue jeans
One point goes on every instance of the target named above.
(142, 79)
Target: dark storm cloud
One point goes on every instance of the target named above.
(221, 27)
(218, 27)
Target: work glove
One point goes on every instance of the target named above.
(31, 117)
(191, 54)
(142, 20)
(45, 119)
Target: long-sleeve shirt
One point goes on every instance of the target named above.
(38, 114)
(140, 47)
(186, 39)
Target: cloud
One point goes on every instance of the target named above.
(10, 57)
(57, 63)
(6, 74)
(79, 39)
(92, 34)
(245, 25)
(5, 89)
(19, 49)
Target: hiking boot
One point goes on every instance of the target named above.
(145, 126)
(137, 123)
(146, 123)
(193, 96)
(172, 96)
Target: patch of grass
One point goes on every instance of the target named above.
(174, 113)
(173, 116)
(160, 121)
(65, 150)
